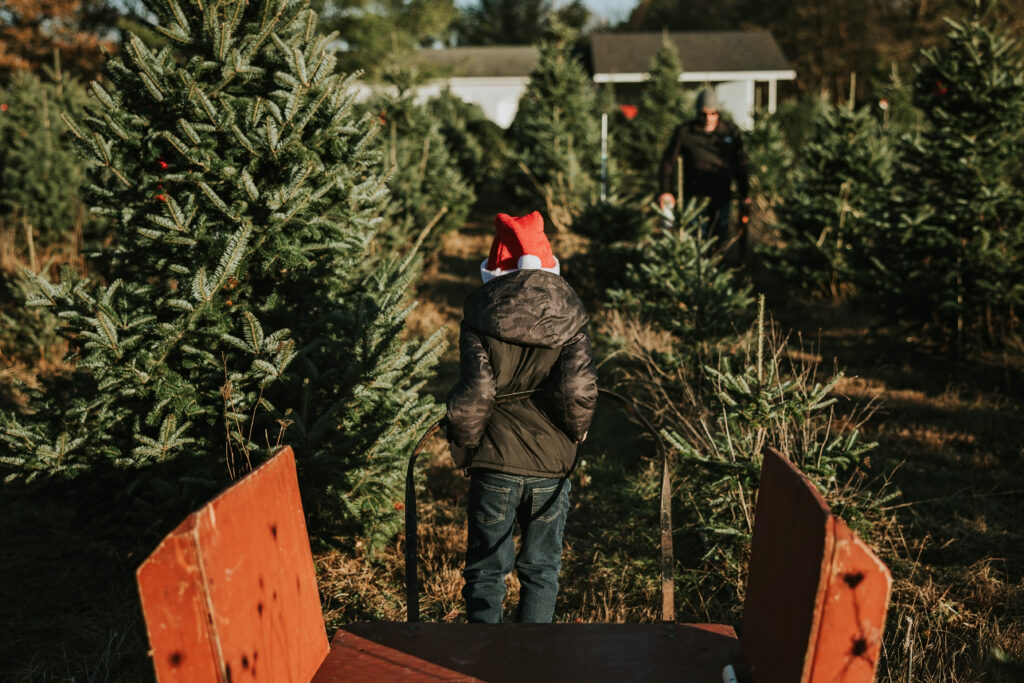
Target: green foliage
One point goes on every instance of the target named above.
(475, 143)
(27, 334)
(756, 398)
(427, 189)
(554, 143)
(663, 105)
(40, 173)
(503, 22)
(771, 160)
(678, 282)
(381, 34)
(831, 214)
(237, 297)
(957, 238)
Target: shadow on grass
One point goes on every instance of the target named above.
(70, 550)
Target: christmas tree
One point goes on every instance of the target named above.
(554, 142)
(429, 195)
(475, 142)
(236, 307)
(832, 211)
(677, 281)
(40, 173)
(663, 105)
(957, 240)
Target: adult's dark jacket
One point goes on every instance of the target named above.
(710, 162)
(523, 331)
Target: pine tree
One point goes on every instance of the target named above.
(956, 247)
(830, 221)
(555, 139)
(663, 105)
(475, 143)
(237, 298)
(771, 160)
(40, 173)
(429, 195)
(677, 281)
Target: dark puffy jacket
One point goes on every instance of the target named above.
(710, 162)
(523, 331)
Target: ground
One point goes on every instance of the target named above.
(947, 443)
(949, 440)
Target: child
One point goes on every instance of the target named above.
(523, 403)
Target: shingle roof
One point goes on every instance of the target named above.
(481, 61)
(622, 53)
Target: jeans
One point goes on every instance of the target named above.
(715, 223)
(496, 502)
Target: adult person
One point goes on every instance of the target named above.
(713, 155)
(522, 405)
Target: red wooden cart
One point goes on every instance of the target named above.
(231, 595)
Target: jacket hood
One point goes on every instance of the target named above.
(528, 307)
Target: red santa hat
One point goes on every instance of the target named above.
(519, 244)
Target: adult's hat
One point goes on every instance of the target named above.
(707, 99)
(519, 244)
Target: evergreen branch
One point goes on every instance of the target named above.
(189, 132)
(250, 186)
(142, 58)
(300, 65)
(253, 332)
(116, 128)
(217, 201)
(151, 86)
(242, 140)
(100, 93)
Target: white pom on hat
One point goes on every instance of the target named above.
(529, 262)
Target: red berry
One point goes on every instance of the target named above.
(161, 198)
(3, 107)
(399, 506)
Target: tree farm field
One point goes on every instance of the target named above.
(948, 442)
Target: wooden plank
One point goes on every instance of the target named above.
(246, 557)
(530, 652)
(175, 609)
(849, 638)
(789, 567)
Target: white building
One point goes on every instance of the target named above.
(744, 67)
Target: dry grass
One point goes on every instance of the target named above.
(948, 439)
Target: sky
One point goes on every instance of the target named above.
(612, 10)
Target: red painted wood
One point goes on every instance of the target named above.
(849, 639)
(174, 604)
(790, 550)
(231, 595)
(816, 594)
(245, 557)
(530, 652)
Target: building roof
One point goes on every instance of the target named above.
(699, 51)
(483, 61)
